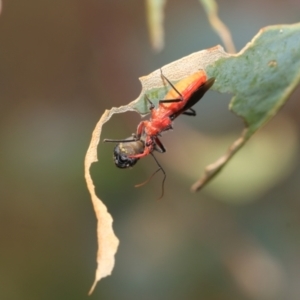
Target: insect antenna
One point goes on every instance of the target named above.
(163, 182)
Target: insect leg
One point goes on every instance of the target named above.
(165, 176)
(128, 140)
(159, 147)
(152, 106)
(140, 129)
(170, 100)
(172, 85)
(190, 112)
(120, 141)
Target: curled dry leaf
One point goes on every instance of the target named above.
(107, 241)
(211, 9)
(155, 18)
(214, 168)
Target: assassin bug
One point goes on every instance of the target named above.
(179, 100)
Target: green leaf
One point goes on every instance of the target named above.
(261, 77)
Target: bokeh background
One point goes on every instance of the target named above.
(62, 64)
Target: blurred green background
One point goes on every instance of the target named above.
(62, 64)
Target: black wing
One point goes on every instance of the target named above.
(196, 96)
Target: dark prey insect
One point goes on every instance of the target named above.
(179, 100)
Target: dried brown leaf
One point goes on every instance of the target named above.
(211, 9)
(107, 241)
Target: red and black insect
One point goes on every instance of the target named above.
(179, 100)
